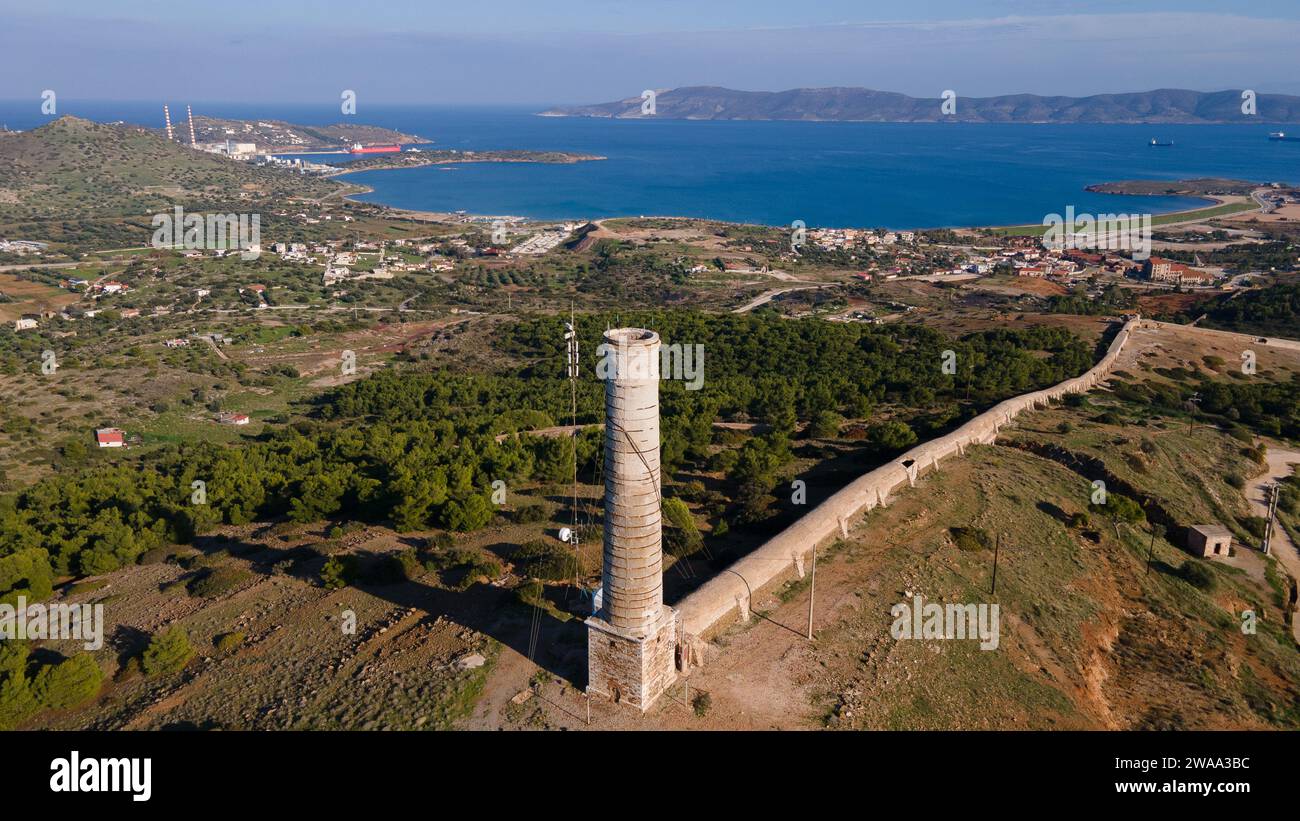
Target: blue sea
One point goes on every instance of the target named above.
(905, 175)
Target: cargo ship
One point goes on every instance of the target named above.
(1281, 136)
(358, 148)
(1159, 144)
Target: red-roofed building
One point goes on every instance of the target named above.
(1159, 269)
(110, 437)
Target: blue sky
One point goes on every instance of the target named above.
(538, 52)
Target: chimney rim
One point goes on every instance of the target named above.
(632, 336)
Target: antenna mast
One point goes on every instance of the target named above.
(571, 356)
(189, 112)
(167, 117)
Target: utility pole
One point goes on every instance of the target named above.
(812, 592)
(1273, 489)
(997, 547)
(1193, 404)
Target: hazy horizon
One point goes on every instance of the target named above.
(589, 51)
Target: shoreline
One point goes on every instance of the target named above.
(574, 159)
(1188, 215)
(1217, 206)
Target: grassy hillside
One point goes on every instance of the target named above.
(1090, 639)
(74, 168)
(279, 135)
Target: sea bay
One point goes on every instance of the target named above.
(896, 175)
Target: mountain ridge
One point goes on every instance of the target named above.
(854, 104)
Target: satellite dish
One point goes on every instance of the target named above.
(565, 534)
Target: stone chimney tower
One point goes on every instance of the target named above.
(631, 641)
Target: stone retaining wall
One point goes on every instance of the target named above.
(784, 554)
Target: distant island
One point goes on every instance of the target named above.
(279, 137)
(1168, 106)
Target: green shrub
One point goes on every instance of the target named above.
(971, 538)
(408, 564)
(1289, 500)
(228, 641)
(16, 699)
(71, 682)
(1197, 574)
(468, 514)
(702, 703)
(217, 580)
(339, 531)
(338, 572)
(1120, 508)
(1254, 525)
(693, 491)
(441, 541)
(825, 425)
(542, 559)
(531, 513)
(26, 573)
(1241, 434)
(87, 586)
(681, 537)
(892, 435)
(473, 565)
(156, 555)
(531, 593)
(167, 653)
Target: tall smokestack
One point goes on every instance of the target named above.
(167, 117)
(190, 114)
(632, 640)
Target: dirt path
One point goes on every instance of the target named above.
(768, 296)
(1229, 336)
(215, 347)
(1280, 463)
(52, 265)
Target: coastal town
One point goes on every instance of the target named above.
(499, 248)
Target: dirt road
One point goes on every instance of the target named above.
(1280, 463)
(768, 296)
